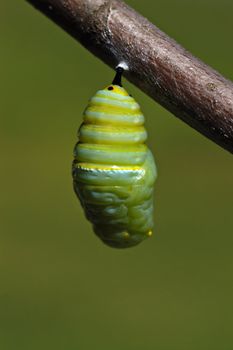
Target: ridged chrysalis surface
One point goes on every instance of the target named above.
(113, 169)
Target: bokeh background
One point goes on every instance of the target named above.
(60, 287)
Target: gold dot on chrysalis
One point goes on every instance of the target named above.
(149, 233)
(126, 235)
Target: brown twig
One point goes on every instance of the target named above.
(164, 70)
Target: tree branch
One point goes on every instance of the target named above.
(164, 70)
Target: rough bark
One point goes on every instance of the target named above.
(159, 66)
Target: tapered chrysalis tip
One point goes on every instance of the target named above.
(119, 71)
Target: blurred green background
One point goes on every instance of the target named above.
(60, 287)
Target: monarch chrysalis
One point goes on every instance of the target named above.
(113, 170)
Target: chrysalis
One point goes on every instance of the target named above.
(113, 170)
